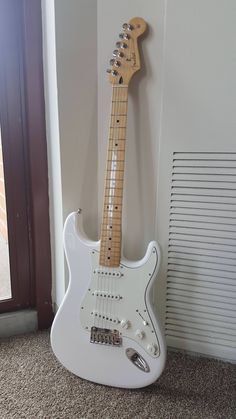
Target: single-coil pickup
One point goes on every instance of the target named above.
(104, 316)
(105, 272)
(106, 295)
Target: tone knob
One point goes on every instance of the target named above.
(140, 334)
(125, 324)
(152, 348)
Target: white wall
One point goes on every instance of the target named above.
(199, 108)
(70, 67)
(54, 157)
(144, 119)
(76, 52)
(183, 99)
(85, 35)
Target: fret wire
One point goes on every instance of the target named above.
(115, 241)
(111, 245)
(111, 237)
(113, 187)
(114, 211)
(119, 180)
(109, 227)
(118, 161)
(110, 250)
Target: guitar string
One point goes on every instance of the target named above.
(118, 95)
(106, 288)
(102, 287)
(110, 199)
(114, 140)
(117, 112)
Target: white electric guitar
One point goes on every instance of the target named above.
(106, 329)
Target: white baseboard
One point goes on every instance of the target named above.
(18, 322)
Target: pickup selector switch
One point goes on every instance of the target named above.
(140, 334)
(125, 324)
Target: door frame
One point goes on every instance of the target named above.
(36, 168)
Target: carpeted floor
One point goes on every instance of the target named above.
(34, 385)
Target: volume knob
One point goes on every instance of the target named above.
(152, 348)
(139, 333)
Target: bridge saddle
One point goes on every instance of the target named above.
(105, 336)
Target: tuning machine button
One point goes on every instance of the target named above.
(124, 36)
(125, 324)
(117, 53)
(140, 334)
(115, 62)
(127, 27)
(122, 45)
(112, 72)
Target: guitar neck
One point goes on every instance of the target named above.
(110, 249)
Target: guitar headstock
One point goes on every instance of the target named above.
(126, 61)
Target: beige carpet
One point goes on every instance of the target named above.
(35, 385)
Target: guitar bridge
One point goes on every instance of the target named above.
(105, 336)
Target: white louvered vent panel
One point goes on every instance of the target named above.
(201, 279)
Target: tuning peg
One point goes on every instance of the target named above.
(121, 45)
(117, 53)
(112, 72)
(127, 26)
(124, 36)
(114, 62)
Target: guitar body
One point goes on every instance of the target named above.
(106, 329)
(101, 304)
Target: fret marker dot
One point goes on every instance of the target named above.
(118, 121)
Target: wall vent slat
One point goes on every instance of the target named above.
(201, 273)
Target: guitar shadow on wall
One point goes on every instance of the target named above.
(88, 190)
(141, 164)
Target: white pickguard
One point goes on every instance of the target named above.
(124, 299)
